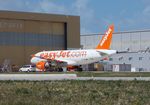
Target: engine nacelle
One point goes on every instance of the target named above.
(46, 65)
(42, 65)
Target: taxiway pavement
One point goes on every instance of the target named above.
(43, 77)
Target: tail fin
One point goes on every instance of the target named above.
(106, 39)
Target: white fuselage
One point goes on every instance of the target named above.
(73, 57)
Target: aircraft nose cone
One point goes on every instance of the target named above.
(114, 52)
(33, 60)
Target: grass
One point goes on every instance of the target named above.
(92, 73)
(75, 93)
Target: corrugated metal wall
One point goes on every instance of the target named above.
(134, 40)
(25, 33)
(21, 38)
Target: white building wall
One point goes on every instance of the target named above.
(140, 61)
(134, 41)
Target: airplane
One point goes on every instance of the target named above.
(75, 58)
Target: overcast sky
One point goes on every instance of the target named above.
(95, 15)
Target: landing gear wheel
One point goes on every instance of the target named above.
(79, 69)
(60, 70)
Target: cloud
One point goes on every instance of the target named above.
(146, 11)
(15, 5)
(90, 21)
(77, 7)
(50, 7)
(82, 8)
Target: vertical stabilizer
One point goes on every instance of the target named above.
(106, 39)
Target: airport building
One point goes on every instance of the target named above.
(23, 34)
(137, 42)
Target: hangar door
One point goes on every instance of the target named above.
(58, 36)
(49, 35)
(43, 35)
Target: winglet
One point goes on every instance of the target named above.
(106, 39)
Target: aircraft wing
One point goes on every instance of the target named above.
(69, 62)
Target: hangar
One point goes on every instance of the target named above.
(136, 42)
(24, 33)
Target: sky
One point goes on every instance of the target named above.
(95, 15)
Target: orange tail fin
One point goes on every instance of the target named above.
(106, 39)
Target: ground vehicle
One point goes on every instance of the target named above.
(28, 68)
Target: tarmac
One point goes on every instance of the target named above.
(46, 77)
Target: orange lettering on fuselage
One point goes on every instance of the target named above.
(63, 54)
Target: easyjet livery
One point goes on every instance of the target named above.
(76, 58)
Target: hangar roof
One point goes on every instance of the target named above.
(35, 16)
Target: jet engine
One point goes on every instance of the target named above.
(42, 65)
(47, 65)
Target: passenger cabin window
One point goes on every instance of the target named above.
(140, 58)
(130, 58)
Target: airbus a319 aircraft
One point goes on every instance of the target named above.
(75, 58)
